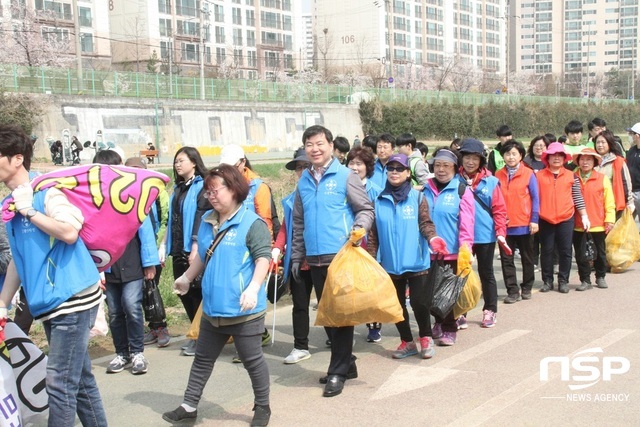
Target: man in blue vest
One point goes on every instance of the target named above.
(329, 203)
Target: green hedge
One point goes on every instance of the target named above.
(443, 120)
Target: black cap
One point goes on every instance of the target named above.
(299, 156)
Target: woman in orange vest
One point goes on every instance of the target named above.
(560, 198)
(599, 200)
(520, 189)
(614, 167)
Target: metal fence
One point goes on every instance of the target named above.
(63, 81)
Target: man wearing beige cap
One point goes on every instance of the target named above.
(633, 163)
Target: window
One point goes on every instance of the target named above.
(220, 35)
(84, 16)
(288, 61)
(272, 59)
(251, 38)
(164, 6)
(237, 36)
(236, 14)
(187, 7)
(60, 10)
(270, 20)
(250, 18)
(286, 23)
(188, 28)
(288, 42)
(86, 42)
(189, 52)
(55, 34)
(252, 58)
(165, 27)
(218, 13)
(164, 49)
(271, 38)
(237, 57)
(221, 55)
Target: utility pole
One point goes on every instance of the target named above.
(171, 65)
(588, 57)
(390, 40)
(76, 25)
(202, 12)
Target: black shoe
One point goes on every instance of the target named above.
(335, 384)
(510, 299)
(563, 288)
(526, 294)
(546, 287)
(328, 343)
(351, 374)
(180, 414)
(261, 415)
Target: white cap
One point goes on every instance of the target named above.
(231, 154)
(635, 128)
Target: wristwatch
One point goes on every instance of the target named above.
(31, 213)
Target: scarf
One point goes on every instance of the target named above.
(399, 193)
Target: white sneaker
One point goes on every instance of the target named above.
(140, 364)
(296, 356)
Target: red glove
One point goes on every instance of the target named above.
(503, 245)
(438, 245)
(3, 323)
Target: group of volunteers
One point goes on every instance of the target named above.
(221, 230)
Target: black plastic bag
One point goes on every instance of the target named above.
(446, 288)
(588, 247)
(274, 293)
(152, 303)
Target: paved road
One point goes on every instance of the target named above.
(490, 377)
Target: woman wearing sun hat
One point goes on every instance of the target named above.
(601, 208)
(560, 198)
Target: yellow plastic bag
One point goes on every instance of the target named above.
(194, 329)
(472, 289)
(623, 243)
(357, 290)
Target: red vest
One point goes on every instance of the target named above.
(556, 200)
(516, 195)
(593, 193)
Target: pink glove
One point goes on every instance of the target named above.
(438, 245)
(503, 245)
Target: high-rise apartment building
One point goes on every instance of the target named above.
(57, 20)
(236, 38)
(307, 42)
(573, 41)
(406, 35)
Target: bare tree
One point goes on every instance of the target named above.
(27, 41)
(325, 45)
(134, 42)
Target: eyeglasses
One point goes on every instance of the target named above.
(214, 191)
(396, 168)
(301, 167)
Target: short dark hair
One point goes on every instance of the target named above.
(107, 157)
(423, 148)
(611, 142)
(406, 139)
(315, 130)
(371, 141)
(511, 144)
(542, 138)
(596, 121)
(387, 137)
(574, 126)
(14, 141)
(504, 130)
(551, 137)
(341, 144)
(194, 155)
(367, 157)
(232, 179)
(562, 139)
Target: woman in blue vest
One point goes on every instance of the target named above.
(362, 161)
(186, 207)
(234, 252)
(400, 237)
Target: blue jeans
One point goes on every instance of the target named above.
(70, 384)
(125, 316)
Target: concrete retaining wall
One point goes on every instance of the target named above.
(170, 124)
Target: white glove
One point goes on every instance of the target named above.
(181, 285)
(23, 196)
(275, 254)
(585, 222)
(632, 207)
(162, 253)
(249, 298)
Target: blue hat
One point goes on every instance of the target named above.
(472, 146)
(400, 158)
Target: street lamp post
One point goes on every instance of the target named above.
(324, 54)
(202, 12)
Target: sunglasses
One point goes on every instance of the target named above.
(396, 168)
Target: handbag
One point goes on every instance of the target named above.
(152, 303)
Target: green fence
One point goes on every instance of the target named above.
(62, 81)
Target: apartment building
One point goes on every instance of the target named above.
(406, 35)
(236, 38)
(574, 41)
(306, 29)
(56, 20)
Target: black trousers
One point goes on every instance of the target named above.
(341, 338)
(558, 236)
(484, 254)
(301, 296)
(420, 299)
(524, 243)
(600, 263)
(192, 299)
